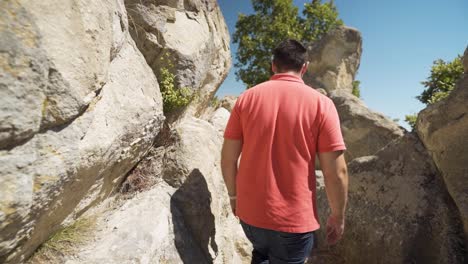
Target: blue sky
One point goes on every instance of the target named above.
(401, 39)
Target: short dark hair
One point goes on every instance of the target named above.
(289, 55)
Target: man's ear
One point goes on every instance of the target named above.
(273, 67)
(304, 68)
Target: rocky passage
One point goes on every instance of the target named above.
(86, 148)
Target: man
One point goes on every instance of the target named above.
(280, 126)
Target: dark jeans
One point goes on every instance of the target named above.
(275, 247)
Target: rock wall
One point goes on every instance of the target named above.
(79, 108)
(188, 37)
(443, 128)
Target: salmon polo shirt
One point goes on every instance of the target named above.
(283, 123)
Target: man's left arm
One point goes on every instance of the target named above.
(229, 159)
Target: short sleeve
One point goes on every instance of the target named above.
(234, 125)
(329, 133)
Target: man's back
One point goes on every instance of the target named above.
(279, 126)
(281, 123)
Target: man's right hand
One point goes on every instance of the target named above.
(335, 229)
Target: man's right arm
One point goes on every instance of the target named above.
(335, 173)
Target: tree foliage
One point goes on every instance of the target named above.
(441, 81)
(411, 119)
(272, 22)
(318, 18)
(174, 97)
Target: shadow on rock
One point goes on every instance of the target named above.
(194, 223)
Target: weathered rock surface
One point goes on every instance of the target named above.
(334, 60)
(141, 230)
(91, 96)
(399, 210)
(188, 221)
(365, 132)
(202, 198)
(48, 80)
(219, 119)
(228, 102)
(443, 128)
(191, 35)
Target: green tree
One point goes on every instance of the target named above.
(441, 81)
(319, 18)
(411, 119)
(274, 21)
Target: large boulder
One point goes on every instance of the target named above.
(188, 37)
(183, 221)
(399, 211)
(364, 131)
(334, 60)
(443, 128)
(88, 108)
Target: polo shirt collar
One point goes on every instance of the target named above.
(286, 77)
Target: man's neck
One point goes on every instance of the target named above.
(297, 74)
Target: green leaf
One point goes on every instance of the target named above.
(173, 97)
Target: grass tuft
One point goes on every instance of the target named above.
(64, 241)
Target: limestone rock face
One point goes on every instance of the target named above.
(202, 198)
(399, 210)
(47, 80)
(141, 230)
(443, 128)
(189, 37)
(81, 107)
(219, 119)
(334, 60)
(365, 132)
(228, 102)
(188, 221)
